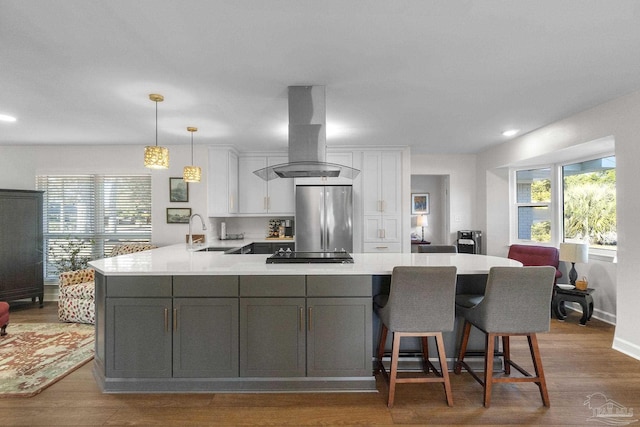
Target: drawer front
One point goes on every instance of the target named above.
(272, 286)
(339, 286)
(205, 286)
(138, 286)
(382, 247)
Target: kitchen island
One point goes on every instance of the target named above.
(178, 320)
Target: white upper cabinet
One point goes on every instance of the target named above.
(222, 181)
(381, 201)
(381, 181)
(258, 196)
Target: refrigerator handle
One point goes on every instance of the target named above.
(323, 221)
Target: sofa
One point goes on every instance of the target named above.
(532, 255)
(76, 297)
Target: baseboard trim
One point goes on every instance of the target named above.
(626, 347)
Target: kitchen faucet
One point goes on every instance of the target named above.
(204, 227)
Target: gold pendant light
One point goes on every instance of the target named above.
(156, 157)
(191, 173)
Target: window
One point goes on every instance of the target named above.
(89, 214)
(589, 191)
(583, 201)
(533, 203)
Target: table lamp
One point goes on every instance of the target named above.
(423, 222)
(574, 252)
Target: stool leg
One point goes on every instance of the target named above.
(506, 354)
(463, 347)
(488, 368)
(443, 368)
(381, 344)
(425, 354)
(395, 353)
(537, 366)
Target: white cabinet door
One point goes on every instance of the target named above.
(381, 196)
(258, 196)
(222, 182)
(279, 191)
(233, 183)
(371, 183)
(390, 182)
(252, 189)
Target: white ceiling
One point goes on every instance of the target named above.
(443, 76)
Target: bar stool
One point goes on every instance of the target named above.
(420, 304)
(516, 302)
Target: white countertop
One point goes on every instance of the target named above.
(180, 260)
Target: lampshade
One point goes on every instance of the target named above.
(423, 221)
(156, 157)
(574, 252)
(191, 173)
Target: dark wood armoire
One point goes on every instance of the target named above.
(21, 242)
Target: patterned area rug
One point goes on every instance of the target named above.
(35, 355)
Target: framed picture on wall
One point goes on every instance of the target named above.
(419, 203)
(178, 215)
(178, 190)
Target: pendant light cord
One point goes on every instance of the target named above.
(192, 147)
(156, 123)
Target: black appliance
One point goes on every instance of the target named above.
(286, 257)
(469, 241)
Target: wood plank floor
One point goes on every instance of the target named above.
(578, 361)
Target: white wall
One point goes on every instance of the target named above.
(20, 164)
(461, 170)
(437, 232)
(619, 119)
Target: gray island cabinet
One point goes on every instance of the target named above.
(233, 333)
(174, 319)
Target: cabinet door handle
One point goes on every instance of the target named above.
(175, 319)
(382, 247)
(310, 317)
(166, 320)
(301, 320)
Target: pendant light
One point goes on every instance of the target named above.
(156, 157)
(191, 173)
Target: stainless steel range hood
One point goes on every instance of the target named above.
(307, 139)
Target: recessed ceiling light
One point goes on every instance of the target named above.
(6, 118)
(510, 132)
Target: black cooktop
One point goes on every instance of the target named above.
(283, 257)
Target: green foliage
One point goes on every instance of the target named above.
(68, 256)
(590, 207)
(541, 191)
(541, 231)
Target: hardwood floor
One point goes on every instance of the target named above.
(578, 361)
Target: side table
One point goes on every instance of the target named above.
(583, 298)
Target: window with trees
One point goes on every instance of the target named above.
(533, 201)
(589, 191)
(85, 216)
(583, 200)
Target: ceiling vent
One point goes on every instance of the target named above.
(307, 139)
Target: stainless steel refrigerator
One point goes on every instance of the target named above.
(324, 218)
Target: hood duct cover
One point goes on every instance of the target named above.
(307, 139)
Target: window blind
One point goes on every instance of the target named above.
(89, 214)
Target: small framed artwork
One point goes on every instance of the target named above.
(178, 190)
(419, 203)
(178, 215)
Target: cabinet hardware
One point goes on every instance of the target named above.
(382, 247)
(301, 320)
(166, 320)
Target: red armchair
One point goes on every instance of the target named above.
(4, 317)
(531, 255)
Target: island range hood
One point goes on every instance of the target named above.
(307, 139)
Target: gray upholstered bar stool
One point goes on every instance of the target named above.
(420, 304)
(516, 302)
(438, 249)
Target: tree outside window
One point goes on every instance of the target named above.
(589, 190)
